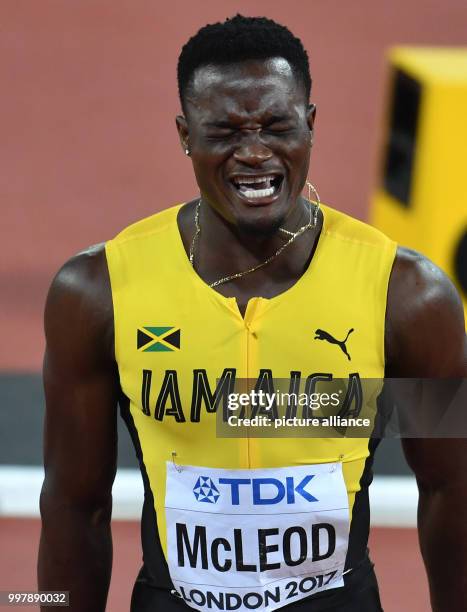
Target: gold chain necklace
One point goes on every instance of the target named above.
(293, 236)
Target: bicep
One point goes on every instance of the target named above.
(426, 342)
(80, 435)
(81, 391)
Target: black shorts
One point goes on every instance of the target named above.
(360, 594)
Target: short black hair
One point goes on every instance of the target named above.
(239, 39)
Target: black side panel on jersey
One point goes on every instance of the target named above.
(360, 525)
(155, 566)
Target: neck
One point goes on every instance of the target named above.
(243, 244)
(214, 259)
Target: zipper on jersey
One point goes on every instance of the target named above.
(250, 336)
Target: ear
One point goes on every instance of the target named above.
(310, 115)
(182, 128)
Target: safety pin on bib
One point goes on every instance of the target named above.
(177, 467)
(334, 465)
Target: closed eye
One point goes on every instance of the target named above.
(278, 130)
(279, 126)
(220, 133)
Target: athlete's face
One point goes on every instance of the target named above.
(247, 127)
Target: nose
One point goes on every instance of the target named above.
(251, 150)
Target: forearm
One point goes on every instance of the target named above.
(443, 541)
(75, 555)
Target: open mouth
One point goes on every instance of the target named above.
(257, 187)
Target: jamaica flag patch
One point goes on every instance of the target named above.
(158, 339)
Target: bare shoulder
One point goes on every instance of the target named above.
(418, 287)
(79, 302)
(425, 329)
(82, 270)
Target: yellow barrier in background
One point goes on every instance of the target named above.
(421, 197)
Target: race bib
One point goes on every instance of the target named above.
(255, 539)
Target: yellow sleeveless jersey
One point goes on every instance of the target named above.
(247, 522)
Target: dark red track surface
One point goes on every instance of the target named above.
(394, 551)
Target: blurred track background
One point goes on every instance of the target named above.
(88, 145)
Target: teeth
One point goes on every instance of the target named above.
(246, 180)
(245, 184)
(257, 193)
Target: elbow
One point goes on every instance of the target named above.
(61, 504)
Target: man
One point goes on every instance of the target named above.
(251, 280)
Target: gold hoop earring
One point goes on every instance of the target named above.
(311, 191)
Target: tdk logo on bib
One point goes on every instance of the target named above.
(205, 490)
(258, 491)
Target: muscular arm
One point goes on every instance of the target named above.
(80, 436)
(426, 338)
